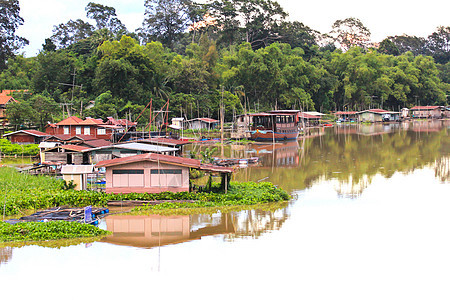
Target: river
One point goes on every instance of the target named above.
(368, 219)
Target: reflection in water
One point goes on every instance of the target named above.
(5, 255)
(353, 154)
(155, 230)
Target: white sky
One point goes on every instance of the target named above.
(383, 18)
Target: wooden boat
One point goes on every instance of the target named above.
(274, 126)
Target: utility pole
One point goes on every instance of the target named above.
(73, 85)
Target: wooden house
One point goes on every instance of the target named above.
(426, 112)
(4, 101)
(200, 123)
(152, 173)
(74, 126)
(66, 154)
(26, 137)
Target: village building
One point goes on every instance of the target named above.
(308, 119)
(4, 101)
(74, 126)
(200, 123)
(377, 115)
(24, 137)
(160, 141)
(426, 112)
(346, 116)
(152, 173)
(65, 155)
(78, 174)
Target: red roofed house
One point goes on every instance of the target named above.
(152, 173)
(74, 126)
(26, 136)
(4, 101)
(426, 112)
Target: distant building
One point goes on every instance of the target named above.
(200, 123)
(377, 115)
(345, 116)
(74, 126)
(5, 99)
(26, 136)
(426, 112)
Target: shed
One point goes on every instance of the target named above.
(78, 174)
(66, 154)
(23, 137)
(152, 173)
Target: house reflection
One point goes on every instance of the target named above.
(154, 230)
(277, 154)
(5, 255)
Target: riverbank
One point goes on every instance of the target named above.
(22, 193)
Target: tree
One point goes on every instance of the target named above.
(438, 45)
(406, 43)
(43, 109)
(66, 34)
(166, 20)
(10, 20)
(105, 17)
(349, 33)
(20, 113)
(255, 20)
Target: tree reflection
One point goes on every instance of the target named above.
(5, 254)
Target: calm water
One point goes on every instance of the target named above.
(369, 219)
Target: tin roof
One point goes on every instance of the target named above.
(206, 120)
(30, 132)
(339, 113)
(77, 169)
(169, 159)
(92, 121)
(74, 148)
(164, 141)
(137, 147)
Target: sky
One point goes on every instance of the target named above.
(383, 17)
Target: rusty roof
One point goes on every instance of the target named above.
(164, 141)
(74, 147)
(169, 159)
(92, 121)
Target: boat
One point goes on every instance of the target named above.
(274, 126)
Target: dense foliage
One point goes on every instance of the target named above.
(44, 231)
(244, 54)
(6, 148)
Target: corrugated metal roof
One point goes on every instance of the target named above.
(77, 169)
(30, 132)
(70, 121)
(424, 107)
(74, 148)
(137, 147)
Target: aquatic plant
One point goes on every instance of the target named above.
(43, 231)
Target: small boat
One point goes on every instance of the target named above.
(274, 126)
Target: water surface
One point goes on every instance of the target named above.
(369, 219)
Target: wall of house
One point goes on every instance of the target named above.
(22, 138)
(143, 177)
(74, 130)
(370, 117)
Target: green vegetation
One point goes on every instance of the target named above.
(261, 63)
(6, 148)
(44, 231)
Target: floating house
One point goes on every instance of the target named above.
(346, 116)
(274, 126)
(426, 112)
(24, 137)
(152, 173)
(377, 115)
(200, 123)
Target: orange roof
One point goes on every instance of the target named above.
(70, 121)
(8, 92)
(92, 121)
(5, 99)
(424, 107)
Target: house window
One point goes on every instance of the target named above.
(128, 178)
(101, 131)
(166, 177)
(66, 130)
(78, 130)
(87, 130)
